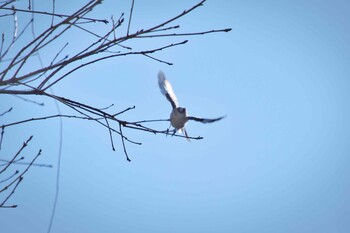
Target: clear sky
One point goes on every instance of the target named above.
(279, 161)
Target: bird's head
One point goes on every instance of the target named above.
(181, 110)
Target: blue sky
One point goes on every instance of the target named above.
(278, 162)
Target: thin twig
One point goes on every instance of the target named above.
(7, 111)
(59, 52)
(166, 29)
(12, 192)
(79, 107)
(130, 16)
(28, 100)
(39, 41)
(105, 108)
(53, 11)
(18, 152)
(185, 12)
(45, 118)
(111, 56)
(25, 163)
(10, 177)
(10, 46)
(2, 135)
(146, 121)
(185, 34)
(124, 148)
(7, 3)
(2, 44)
(156, 59)
(105, 21)
(58, 171)
(125, 110)
(110, 133)
(22, 174)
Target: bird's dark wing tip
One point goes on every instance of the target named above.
(205, 120)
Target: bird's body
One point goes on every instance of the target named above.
(178, 116)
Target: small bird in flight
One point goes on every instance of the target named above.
(178, 116)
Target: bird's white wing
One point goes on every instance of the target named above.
(166, 89)
(205, 120)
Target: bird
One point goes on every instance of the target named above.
(178, 115)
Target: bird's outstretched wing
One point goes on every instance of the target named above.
(166, 89)
(204, 120)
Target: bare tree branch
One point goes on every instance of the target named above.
(18, 75)
(7, 111)
(10, 177)
(55, 14)
(17, 161)
(16, 181)
(122, 138)
(19, 151)
(130, 16)
(2, 205)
